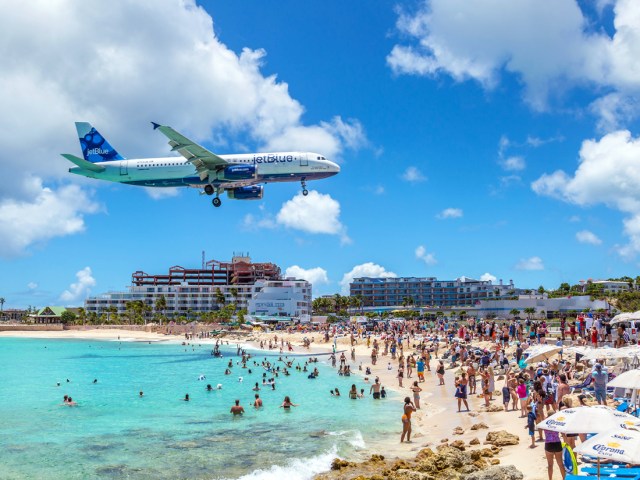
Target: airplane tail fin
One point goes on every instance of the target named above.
(95, 148)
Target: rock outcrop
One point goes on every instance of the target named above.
(447, 462)
(502, 438)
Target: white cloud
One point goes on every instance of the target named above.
(422, 254)
(615, 110)
(585, 236)
(450, 213)
(314, 213)
(379, 190)
(533, 263)
(173, 70)
(315, 276)
(513, 164)
(480, 39)
(47, 214)
(162, 193)
(413, 175)
(574, 218)
(253, 222)
(368, 269)
(487, 277)
(32, 285)
(608, 173)
(78, 291)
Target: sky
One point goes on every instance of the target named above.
(477, 138)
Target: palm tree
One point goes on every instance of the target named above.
(161, 306)
(82, 315)
(514, 312)
(529, 311)
(1, 303)
(220, 300)
(234, 294)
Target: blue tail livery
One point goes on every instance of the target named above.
(95, 148)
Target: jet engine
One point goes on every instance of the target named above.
(232, 173)
(251, 192)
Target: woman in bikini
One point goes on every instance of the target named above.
(409, 408)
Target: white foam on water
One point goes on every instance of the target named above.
(357, 441)
(295, 469)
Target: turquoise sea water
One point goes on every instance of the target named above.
(115, 434)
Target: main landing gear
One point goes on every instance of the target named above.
(305, 192)
(209, 190)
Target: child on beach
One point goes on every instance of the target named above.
(531, 425)
(521, 390)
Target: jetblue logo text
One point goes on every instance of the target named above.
(273, 158)
(97, 151)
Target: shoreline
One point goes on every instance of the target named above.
(435, 421)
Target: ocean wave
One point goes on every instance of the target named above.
(356, 440)
(296, 468)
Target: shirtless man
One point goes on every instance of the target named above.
(375, 388)
(563, 388)
(237, 409)
(257, 403)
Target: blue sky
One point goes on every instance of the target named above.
(475, 138)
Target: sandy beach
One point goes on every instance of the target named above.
(432, 423)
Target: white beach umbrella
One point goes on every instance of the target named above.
(606, 353)
(628, 379)
(541, 352)
(626, 317)
(620, 445)
(581, 349)
(595, 419)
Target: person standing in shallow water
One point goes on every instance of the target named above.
(409, 408)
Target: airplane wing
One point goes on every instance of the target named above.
(204, 160)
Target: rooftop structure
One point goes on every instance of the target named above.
(239, 271)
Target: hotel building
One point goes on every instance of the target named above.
(189, 292)
(427, 291)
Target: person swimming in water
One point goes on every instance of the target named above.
(209, 387)
(409, 408)
(287, 403)
(186, 398)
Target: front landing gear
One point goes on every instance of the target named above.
(216, 202)
(305, 192)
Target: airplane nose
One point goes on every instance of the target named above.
(334, 167)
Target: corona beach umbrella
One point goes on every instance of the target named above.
(594, 419)
(619, 445)
(629, 379)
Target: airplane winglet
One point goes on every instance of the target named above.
(155, 125)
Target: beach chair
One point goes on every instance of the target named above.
(608, 470)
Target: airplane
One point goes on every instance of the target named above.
(240, 175)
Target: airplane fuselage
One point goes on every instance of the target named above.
(178, 172)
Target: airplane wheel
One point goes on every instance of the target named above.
(208, 189)
(216, 202)
(305, 192)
